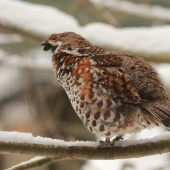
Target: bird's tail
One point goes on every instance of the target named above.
(161, 110)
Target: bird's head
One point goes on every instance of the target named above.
(66, 42)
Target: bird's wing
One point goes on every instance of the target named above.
(121, 86)
(113, 77)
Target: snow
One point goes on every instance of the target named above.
(154, 40)
(37, 158)
(43, 21)
(28, 138)
(138, 163)
(157, 12)
(148, 162)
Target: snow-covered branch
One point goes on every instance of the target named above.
(15, 142)
(32, 163)
(156, 13)
(151, 43)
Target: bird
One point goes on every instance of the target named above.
(113, 92)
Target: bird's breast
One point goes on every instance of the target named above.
(92, 102)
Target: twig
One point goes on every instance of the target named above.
(104, 15)
(32, 164)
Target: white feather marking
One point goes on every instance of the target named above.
(74, 52)
(95, 76)
(91, 71)
(92, 62)
(86, 69)
(94, 97)
(80, 80)
(75, 66)
(79, 71)
(76, 88)
(104, 105)
(63, 66)
(58, 44)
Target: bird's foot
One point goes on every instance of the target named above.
(117, 138)
(105, 143)
(108, 143)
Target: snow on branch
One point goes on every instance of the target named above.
(157, 13)
(57, 150)
(151, 43)
(32, 163)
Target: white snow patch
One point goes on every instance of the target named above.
(28, 138)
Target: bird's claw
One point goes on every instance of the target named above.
(108, 143)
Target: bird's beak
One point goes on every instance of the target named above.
(44, 43)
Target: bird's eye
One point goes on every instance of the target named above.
(54, 37)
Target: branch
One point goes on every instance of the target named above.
(54, 150)
(32, 163)
(87, 152)
(104, 15)
(152, 42)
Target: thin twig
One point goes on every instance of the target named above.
(33, 164)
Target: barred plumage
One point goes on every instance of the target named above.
(113, 93)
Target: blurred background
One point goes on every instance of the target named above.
(31, 100)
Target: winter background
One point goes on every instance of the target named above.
(31, 99)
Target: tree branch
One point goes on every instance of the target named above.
(34, 30)
(87, 152)
(57, 150)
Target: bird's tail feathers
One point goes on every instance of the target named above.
(161, 110)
